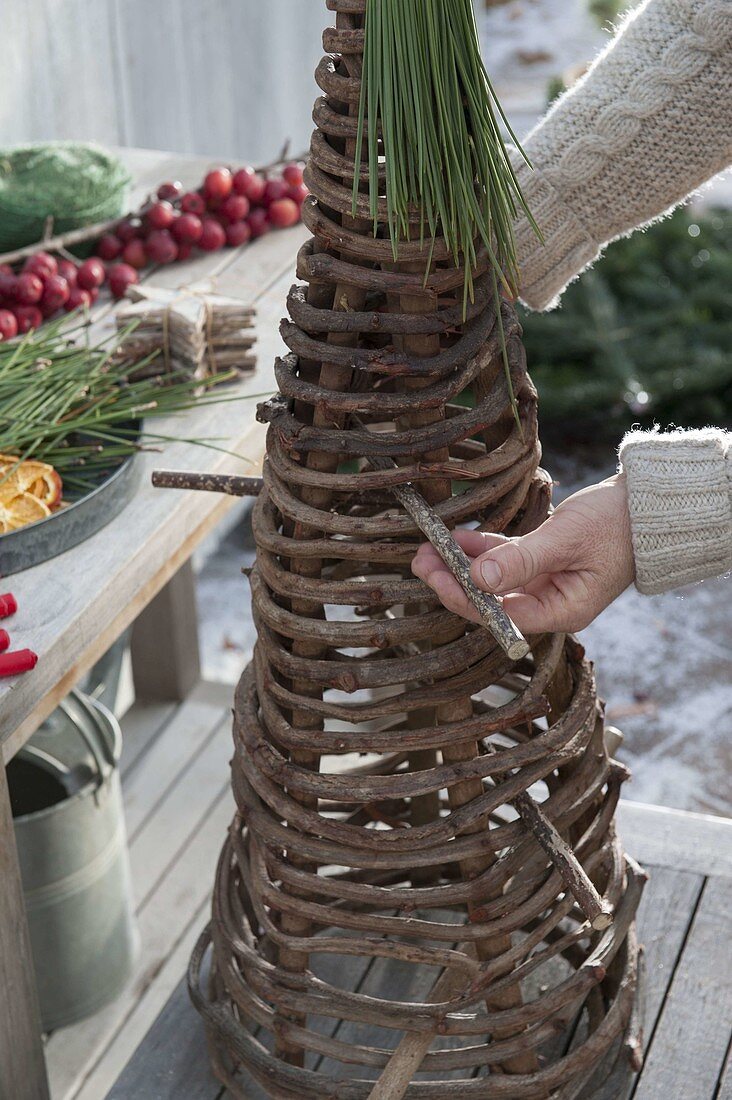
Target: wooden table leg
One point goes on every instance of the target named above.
(165, 657)
(22, 1062)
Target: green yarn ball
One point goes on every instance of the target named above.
(76, 184)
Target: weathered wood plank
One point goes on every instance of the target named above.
(172, 1061)
(665, 914)
(150, 67)
(691, 1040)
(174, 911)
(142, 723)
(392, 980)
(90, 70)
(170, 757)
(22, 1065)
(660, 837)
(724, 1091)
(166, 662)
(165, 834)
(57, 81)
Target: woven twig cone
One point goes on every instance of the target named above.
(380, 742)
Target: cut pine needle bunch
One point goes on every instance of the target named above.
(75, 407)
(430, 119)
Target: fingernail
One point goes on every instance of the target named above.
(490, 571)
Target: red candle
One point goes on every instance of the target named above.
(8, 605)
(19, 660)
(4, 640)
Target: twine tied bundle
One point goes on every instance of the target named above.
(196, 330)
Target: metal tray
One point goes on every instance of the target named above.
(53, 535)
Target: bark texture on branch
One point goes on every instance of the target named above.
(406, 792)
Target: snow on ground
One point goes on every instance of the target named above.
(664, 664)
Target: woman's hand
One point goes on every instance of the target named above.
(559, 577)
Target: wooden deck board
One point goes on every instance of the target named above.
(179, 805)
(687, 998)
(168, 758)
(150, 1043)
(698, 1009)
(161, 1075)
(724, 1091)
(143, 724)
(664, 917)
(395, 981)
(659, 837)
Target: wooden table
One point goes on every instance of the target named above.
(686, 998)
(72, 608)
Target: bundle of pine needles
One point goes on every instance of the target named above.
(76, 407)
(430, 117)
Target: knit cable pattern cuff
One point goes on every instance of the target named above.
(680, 502)
(546, 267)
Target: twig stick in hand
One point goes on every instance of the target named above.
(492, 615)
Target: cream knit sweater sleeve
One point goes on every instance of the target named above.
(650, 122)
(680, 502)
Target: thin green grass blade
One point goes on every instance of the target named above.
(445, 166)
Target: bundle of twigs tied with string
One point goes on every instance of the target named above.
(422, 893)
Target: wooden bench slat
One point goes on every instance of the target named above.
(664, 917)
(176, 910)
(725, 1084)
(172, 1061)
(661, 837)
(691, 1041)
(664, 920)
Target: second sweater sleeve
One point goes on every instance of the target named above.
(650, 122)
(680, 502)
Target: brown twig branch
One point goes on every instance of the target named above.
(597, 911)
(492, 615)
(232, 484)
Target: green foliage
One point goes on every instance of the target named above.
(607, 11)
(75, 405)
(644, 336)
(428, 109)
(436, 157)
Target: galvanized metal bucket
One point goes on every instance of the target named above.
(69, 827)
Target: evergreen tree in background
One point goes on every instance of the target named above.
(607, 11)
(644, 336)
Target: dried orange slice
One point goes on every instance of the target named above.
(21, 510)
(48, 487)
(38, 478)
